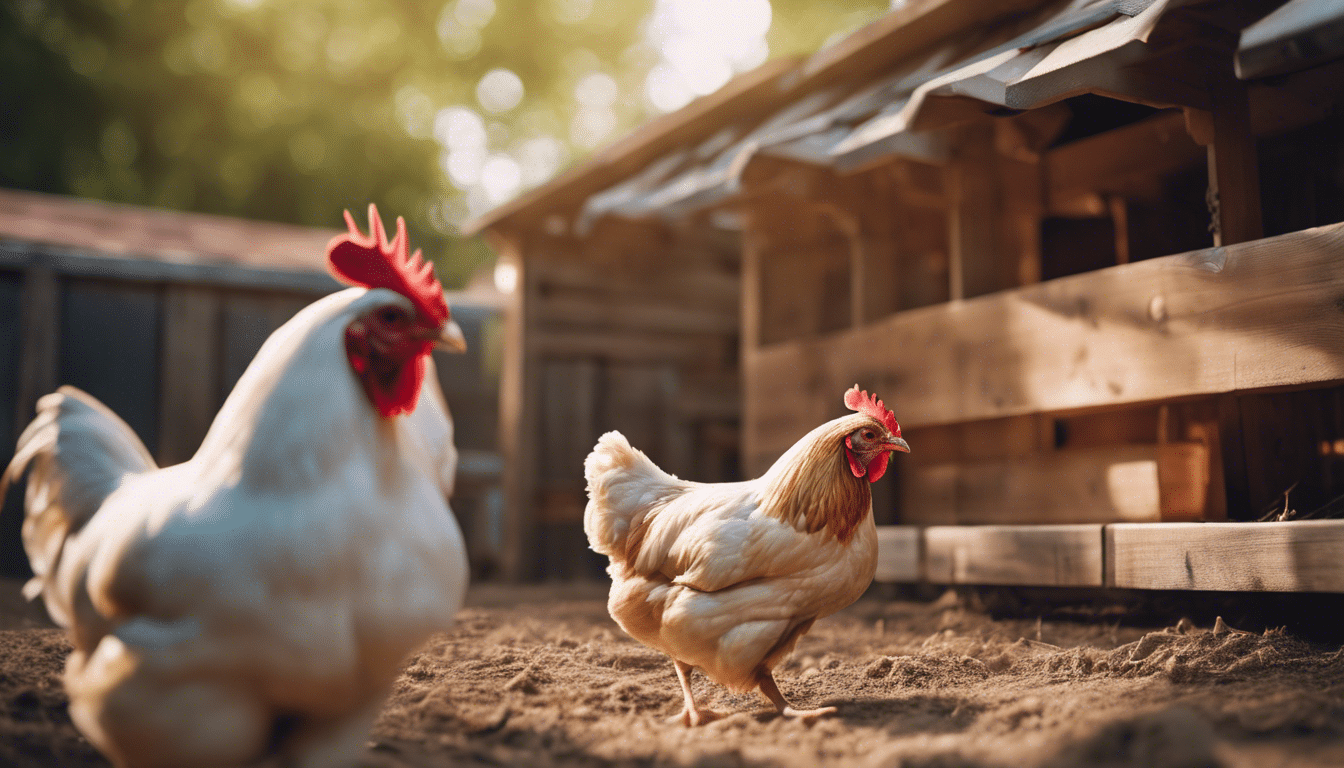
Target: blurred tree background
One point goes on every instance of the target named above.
(290, 110)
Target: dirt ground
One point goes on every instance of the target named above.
(542, 677)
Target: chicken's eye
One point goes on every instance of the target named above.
(392, 315)
(869, 434)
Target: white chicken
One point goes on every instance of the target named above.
(252, 606)
(725, 577)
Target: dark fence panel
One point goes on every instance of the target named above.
(12, 560)
(109, 341)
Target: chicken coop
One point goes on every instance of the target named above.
(1090, 253)
(158, 313)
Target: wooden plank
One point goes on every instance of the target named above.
(190, 369)
(753, 244)
(1299, 556)
(247, 319)
(699, 287)
(39, 344)
(976, 263)
(1114, 162)
(1020, 555)
(1093, 485)
(622, 313)
(568, 420)
(519, 416)
(110, 336)
(1249, 316)
(12, 331)
(629, 347)
(898, 553)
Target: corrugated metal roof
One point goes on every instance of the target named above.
(846, 126)
(1301, 34)
(994, 66)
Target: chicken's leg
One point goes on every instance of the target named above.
(766, 679)
(690, 715)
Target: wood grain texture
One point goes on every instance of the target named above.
(1021, 555)
(1133, 483)
(39, 343)
(1299, 556)
(898, 553)
(519, 417)
(1118, 162)
(1253, 315)
(190, 363)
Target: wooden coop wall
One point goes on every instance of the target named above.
(163, 350)
(632, 327)
(1074, 311)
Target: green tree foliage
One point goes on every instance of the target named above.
(292, 110)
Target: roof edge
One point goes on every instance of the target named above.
(894, 37)
(653, 139)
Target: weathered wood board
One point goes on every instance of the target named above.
(1253, 315)
(1133, 483)
(1022, 555)
(190, 369)
(1295, 556)
(898, 553)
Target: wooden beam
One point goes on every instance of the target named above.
(1250, 316)
(1115, 162)
(753, 246)
(1299, 556)
(39, 345)
(1234, 174)
(620, 313)
(1020, 555)
(975, 218)
(627, 346)
(898, 548)
(519, 417)
(1087, 485)
(190, 369)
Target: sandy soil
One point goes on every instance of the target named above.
(543, 677)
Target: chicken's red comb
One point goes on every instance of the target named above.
(371, 261)
(859, 400)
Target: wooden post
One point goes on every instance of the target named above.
(40, 342)
(190, 370)
(753, 243)
(519, 419)
(974, 217)
(1234, 173)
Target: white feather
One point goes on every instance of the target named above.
(284, 571)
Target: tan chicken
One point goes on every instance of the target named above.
(725, 577)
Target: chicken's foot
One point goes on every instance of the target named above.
(766, 679)
(691, 715)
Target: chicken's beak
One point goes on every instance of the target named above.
(450, 339)
(897, 444)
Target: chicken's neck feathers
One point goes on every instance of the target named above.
(811, 487)
(298, 414)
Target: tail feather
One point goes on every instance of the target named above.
(78, 451)
(624, 487)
